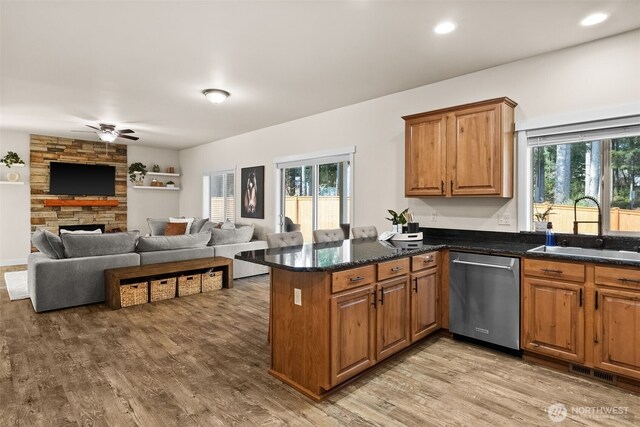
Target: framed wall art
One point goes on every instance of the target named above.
(252, 192)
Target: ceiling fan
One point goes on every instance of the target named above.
(109, 133)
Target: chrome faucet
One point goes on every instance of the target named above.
(575, 215)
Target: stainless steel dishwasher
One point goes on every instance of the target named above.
(484, 298)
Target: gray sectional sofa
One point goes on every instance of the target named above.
(69, 270)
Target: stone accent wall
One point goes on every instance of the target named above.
(45, 149)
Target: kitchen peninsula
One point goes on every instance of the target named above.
(340, 308)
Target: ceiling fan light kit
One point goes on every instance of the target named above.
(216, 96)
(107, 136)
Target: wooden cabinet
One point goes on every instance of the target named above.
(616, 308)
(553, 318)
(425, 307)
(461, 151)
(560, 299)
(425, 295)
(392, 317)
(353, 335)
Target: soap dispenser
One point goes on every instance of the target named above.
(551, 238)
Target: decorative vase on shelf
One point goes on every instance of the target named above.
(13, 176)
(139, 180)
(156, 168)
(396, 228)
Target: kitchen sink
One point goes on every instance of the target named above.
(610, 254)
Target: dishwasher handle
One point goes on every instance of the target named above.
(482, 264)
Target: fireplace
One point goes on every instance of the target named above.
(83, 227)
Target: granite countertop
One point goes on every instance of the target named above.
(352, 253)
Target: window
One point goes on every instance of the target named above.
(316, 192)
(219, 196)
(597, 159)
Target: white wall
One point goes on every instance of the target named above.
(587, 77)
(143, 204)
(15, 216)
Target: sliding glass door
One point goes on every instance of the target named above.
(316, 195)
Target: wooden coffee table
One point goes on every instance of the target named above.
(115, 276)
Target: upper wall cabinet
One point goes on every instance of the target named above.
(461, 151)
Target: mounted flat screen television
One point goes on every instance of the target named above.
(77, 179)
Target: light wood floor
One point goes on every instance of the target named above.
(203, 359)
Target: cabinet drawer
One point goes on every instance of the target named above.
(554, 270)
(619, 277)
(350, 279)
(395, 268)
(422, 261)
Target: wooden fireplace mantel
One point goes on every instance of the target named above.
(59, 202)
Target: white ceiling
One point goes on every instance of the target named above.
(143, 65)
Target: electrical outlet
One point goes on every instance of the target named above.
(504, 219)
(434, 216)
(297, 296)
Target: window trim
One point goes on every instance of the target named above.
(527, 139)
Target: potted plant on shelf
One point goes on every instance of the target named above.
(397, 220)
(137, 171)
(171, 184)
(12, 158)
(541, 219)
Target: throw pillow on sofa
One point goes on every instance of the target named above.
(166, 243)
(158, 225)
(220, 236)
(188, 221)
(84, 245)
(48, 243)
(175, 228)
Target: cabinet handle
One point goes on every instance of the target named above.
(375, 300)
(596, 300)
(451, 186)
(580, 297)
(415, 284)
(442, 187)
(395, 269)
(427, 260)
(549, 270)
(625, 280)
(381, 295)
(356, 279)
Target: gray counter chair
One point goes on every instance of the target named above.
(368, 231)
(328, 235)
(282, 240)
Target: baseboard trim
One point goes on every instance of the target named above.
(8, 262)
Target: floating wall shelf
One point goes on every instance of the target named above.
(148, 187)
(58, 202)
(11, 182)
(12, 166)
(162, 174)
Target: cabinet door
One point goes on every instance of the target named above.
(553, 318)
(617, 331)
(474, 151)
(392, 316)
(425, 312)
(352, 333)
(425, 156)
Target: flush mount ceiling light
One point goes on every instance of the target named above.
(216, 96)
(593, 19)
(444, 27)
(107, 135)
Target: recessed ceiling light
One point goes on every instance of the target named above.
(216, 96)
(593, 19)
(444, 27)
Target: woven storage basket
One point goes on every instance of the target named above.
(163, 289)
(188, 285)
(211, 281)
(134, 294)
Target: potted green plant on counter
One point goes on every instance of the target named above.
(137, 172)
(541, 219)
(397, 220)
